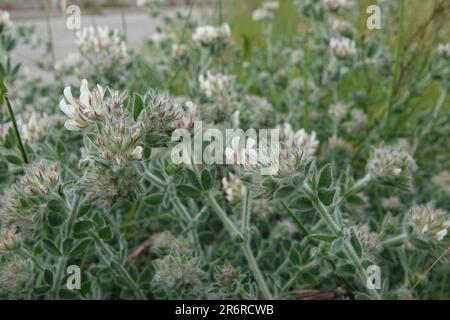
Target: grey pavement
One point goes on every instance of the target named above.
(137, 26)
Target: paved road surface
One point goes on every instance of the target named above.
(139, 27)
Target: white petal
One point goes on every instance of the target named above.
(68, 109)
(72, 125)
(68, 95)
(85, 94)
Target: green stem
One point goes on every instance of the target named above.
(394, 240)
(72, 217)
(62, 261)
(297, 221)
(122, 271)
(300, 270)
(256, 272)
(246, 212)
(27, 255)
(336, 230)
(244, 243)
(323, 211)
(229, 225)
(59, 272)
(16, 130)
(358, 186)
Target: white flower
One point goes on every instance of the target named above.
(178, 50)
(101, 44)
(357, 122)
(343, 48)
(9, 240)
(296, 56)
(5, 21)
(215, 84)
(342, 27)
(338, 110)
(136, 153)
(266, 11)
(261, 14)
(238, 155)
(189, 116)
(307, 143)
(36, 127)
(443, 50)
(210, 35)
(159, 38)
(234, 188)
(389, 163)
(337, 143)
(337, 4)
(430, 222)
(82, 113)
(442, 180)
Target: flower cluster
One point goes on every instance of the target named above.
(164, 115)
(335, 5)
(101, 46)
(343, 48)
(21, 204)
(209, 35)
(40, 179)
(9, 239)
(305, 142)
(13, 275)
(215, 84)
(391, 164)
(234, 188)
(430, 222)
(266, 11)
(443, 50)
(89, 108)
(5, 21)
(342, 27)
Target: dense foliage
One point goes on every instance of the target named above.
(87, 176)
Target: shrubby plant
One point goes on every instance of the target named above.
(361, 177)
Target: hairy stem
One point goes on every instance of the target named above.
(394, 240)
(122, 271)
(337, 231)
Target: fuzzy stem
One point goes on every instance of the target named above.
(62, 261)
(300, 270)
(16, 130)
(246, 211)
(123, 272)
(395, 239)
(357, 187)
(297, 221)
(229, 225)
(244, 243)
(256, 272)
(27, 255)
(336, 230)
